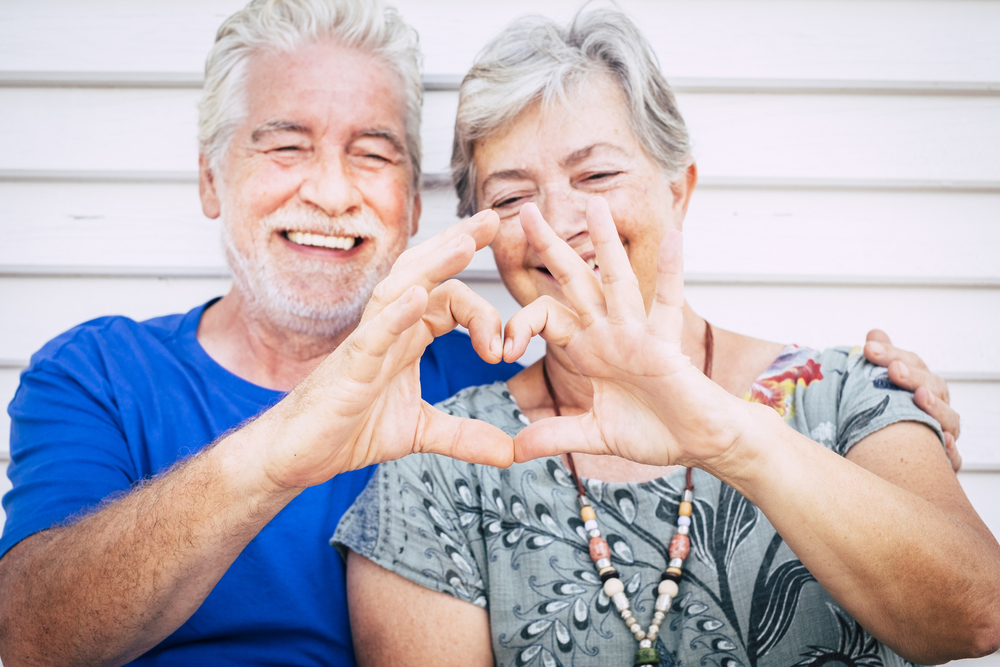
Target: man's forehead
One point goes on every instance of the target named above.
(322, 83)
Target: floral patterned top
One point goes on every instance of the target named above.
(511, 541)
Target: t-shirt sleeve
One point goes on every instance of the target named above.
(421, 518)
(869, 401)
(68, 451)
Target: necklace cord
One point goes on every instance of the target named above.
(600, 551)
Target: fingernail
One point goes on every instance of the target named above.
(903, 371)
(931, 399)
(456, 242)
(496, 346)
(876, 347)
(508, 347)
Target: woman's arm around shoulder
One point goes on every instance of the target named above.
(397, 622)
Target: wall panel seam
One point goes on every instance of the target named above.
(435, 181)
(491, 276)
(451, 82)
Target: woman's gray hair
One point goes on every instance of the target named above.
(535, 59)
(284, 25)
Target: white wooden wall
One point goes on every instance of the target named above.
(849, 155)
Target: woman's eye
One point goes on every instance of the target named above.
(287, 149)
(602, 175)
(506, 202)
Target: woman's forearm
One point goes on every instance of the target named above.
(895, 542)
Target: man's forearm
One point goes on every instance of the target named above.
(111, 586)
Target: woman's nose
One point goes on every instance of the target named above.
(566, 212)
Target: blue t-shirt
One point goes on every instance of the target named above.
(114, 401)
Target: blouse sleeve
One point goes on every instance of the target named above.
(421, 518)
(869, 401)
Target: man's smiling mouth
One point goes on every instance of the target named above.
(321, 241)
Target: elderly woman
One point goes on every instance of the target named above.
(815, 520)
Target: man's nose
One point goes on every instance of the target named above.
(330, 185)
(565, 210)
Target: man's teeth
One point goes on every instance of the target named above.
(592, 263)
(320, 241)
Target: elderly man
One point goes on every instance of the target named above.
(128, 537)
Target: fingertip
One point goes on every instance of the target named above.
(496, 347)
(878, 335)
(874, 347)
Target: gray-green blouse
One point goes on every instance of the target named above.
(511, 541)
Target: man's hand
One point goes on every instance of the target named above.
(930, 392)
(362, 405)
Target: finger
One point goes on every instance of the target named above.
(554, 436)
(667, 312)
(879, 336)
(951, 449)
(482, 227)
(945, 415)
(365, 349)
(576, 280)
(879, 350)
(622, 295)
(454, 303)
(543, 317)
(468, 440)
(910, 378)
(438, 258)
(444, 262)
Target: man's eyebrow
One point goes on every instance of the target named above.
(582, 154)
(277, 126)
(388, 135)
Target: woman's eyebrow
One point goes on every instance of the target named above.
(504, 175)
(582, 154)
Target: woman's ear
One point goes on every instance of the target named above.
(682, 187)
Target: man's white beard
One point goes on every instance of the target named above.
(270, 290)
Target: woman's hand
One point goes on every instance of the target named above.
(363, 405)
(651, 405)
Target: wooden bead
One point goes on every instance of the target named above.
(587, 513)
(675, 571)
(671, 576)
(685, 509)
(612, 586)
(599, 549)
(680, 546)
(668, 587)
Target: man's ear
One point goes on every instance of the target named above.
(682, 187)
(418, 207)
(207, 190)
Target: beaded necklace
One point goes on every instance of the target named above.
(600, 552)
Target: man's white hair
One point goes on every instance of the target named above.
(284, 25)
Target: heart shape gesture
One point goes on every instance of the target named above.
(651, 405)
(362, 405)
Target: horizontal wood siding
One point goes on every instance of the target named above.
(848, 154)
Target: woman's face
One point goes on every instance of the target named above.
(559, 157)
